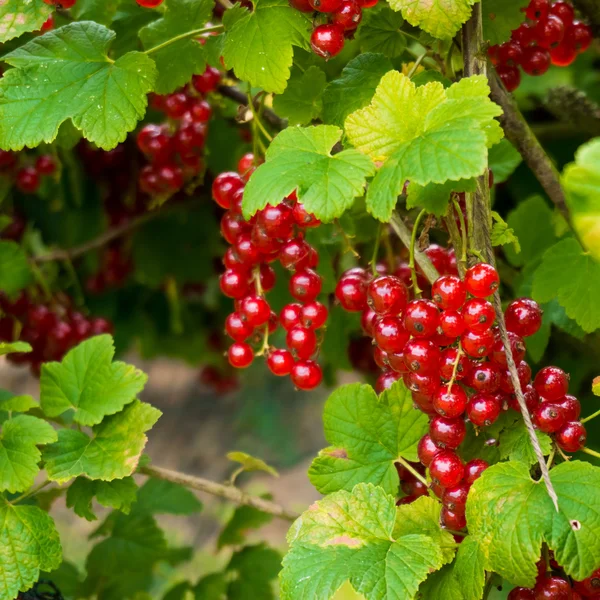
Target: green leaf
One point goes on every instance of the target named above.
(178, 61)
(65, 74)
(111, 452)
(12, 402)
(366, 434)
(380, 32)
(21, 16)
(19, 453)
(101, 11)
(572, 276)
(251, 463)
(502, 234)
(15, 273)
(514, 443)
(503, 159)
(442, 585)
(301, 102)
(89, 382)
(211, 587)
(300, 159)
(252, 572)
(243, 519)
(581, 181)
(10, 347)
(428, 134)
(469, 569)
(534, 241)
(511, 515)
(500, 17)
(354, 88)
(119, 494)
(158, 497)
(258, 47)
(349, 536)
(29, 543)
(442, 18)
(434, 197)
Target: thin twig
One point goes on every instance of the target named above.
(523, 139)
(404, 233)
(475, 62)
(222, 491)
(240, 97)
(590, 417)
(185, 36)
(411, 251)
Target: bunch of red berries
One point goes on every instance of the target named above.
(51, 331)
(174, 149)
(327, 39)
(115, 268)
(551, 586)
(274, 233)
(551, 35)
(27, 173)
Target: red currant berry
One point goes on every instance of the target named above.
(564, 11)
(473, 470)
(302, 217)
(421, 356)
(301, 5)
(438, 257)
(98, 326)
(482, 280)
(351, 292)
(548, 417)
(427, 449)
(570, 406)
(447, 433)
(386, 380)
(45, 164)
(208, 81)
(452, 323)
(483, 409)
(571, 437)
(450, 402)
(200, 112)
(390, 334)
(290, 316)
(580, 36)
(295, 254)
(524, 373)
(448, 360)
(563, 55)
(267, 277)
(306, 375)
(523, 316)
(255, 310)
(510, 53)
(367, 321)
(348, 15)
(232, 225)
(224, 186)
(314, 315)
(550, 32)
(27, 180)
(246, 250)
(536, 61)
(280, 362)
(477, 345)
(552, 588)
(449, 292)
(421, 318)
(149, 3)
(305, 285)
(327, 40)
(276, 220)
(325, 6)
(446, 469)
(484, 377)
(302, 341)
(455, 498)
(395, 361)
(387, 295)
(510, 76)
(537, 9)
(414, 488)
(517, 346)
(426, 385)
(234, 283)
(521, 593)
(240, 355)
(424, 403)
(478, 315)
(590, 586)
(551, 383)
(381, 358)
(451, 519)
(524, 35)
(237, 328)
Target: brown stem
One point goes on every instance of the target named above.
(228, 492)
(523, 139)
(235, 94)
(405, 234)
(475, 63)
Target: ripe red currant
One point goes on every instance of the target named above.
(386, 380)
(314, 315)
(302, 217)
(484, 377)
(302, 341)
(521, 593)
(510, 76)
(27, 180)
(207, 81)
(523, 316)
(45, 164)
(551, 383)
(390, 335)
(351, 292)
(448, 359)
(451, 519)
(237, 328)
(306, 375)
(537, 9)
(224, 186)
(570, 406)
(510, 53)
(447, 433)
(536, 61)
(348, 15)
(478, 315)
(367, 321)
(240, 355)
(327, 40)
(449, 401)
(421, 356)
(387, 295)
(427, 385)
(421, 318)
(571, 437)
(234, 283)
(552, 588)
(590, 586)
(455, 498)
(483, 409)
(446, 469)
(255, 310)
(305, 285)
(548, 417)
(517, 346)
(550, 32)
(482, 280)
(452, 323)
(564, 11)
(290, 316)
(474, 469)
(477, 345)
(449, 292)
(563, 55)
(580, 36)
(427, 449)
(280, 362)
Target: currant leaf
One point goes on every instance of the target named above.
(20, 16)
(11, 347)
(11, 402)
(15, 273)
(158, 497)
(29, 544)
(442, 19)
(434, 197)
(380, 32)
(252, 571)
(301, 102)
(503, 159)
(354, 88)
(119, 494)
(424, 134)
(469, 569)
(251, 463)
(66, 74)
(178, 61)
(243, 520)
(502, 234)
(572, 276)
(111, 452)
(581, 181)
(500, 18)
(101, 11)
(300, 159)
(510, 515)
(367, 434)
(442, 585)
(515, 444)
(349, 536)
(19, 453)
(258, 46)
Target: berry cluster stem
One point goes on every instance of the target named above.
(413, 240)
(412, 470)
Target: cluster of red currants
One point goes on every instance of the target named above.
(274, 233)
(115, 267)
(550, 586)
(174, 149)
(551, 35)
(327, 39)
(51, 331)
(27, 174)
